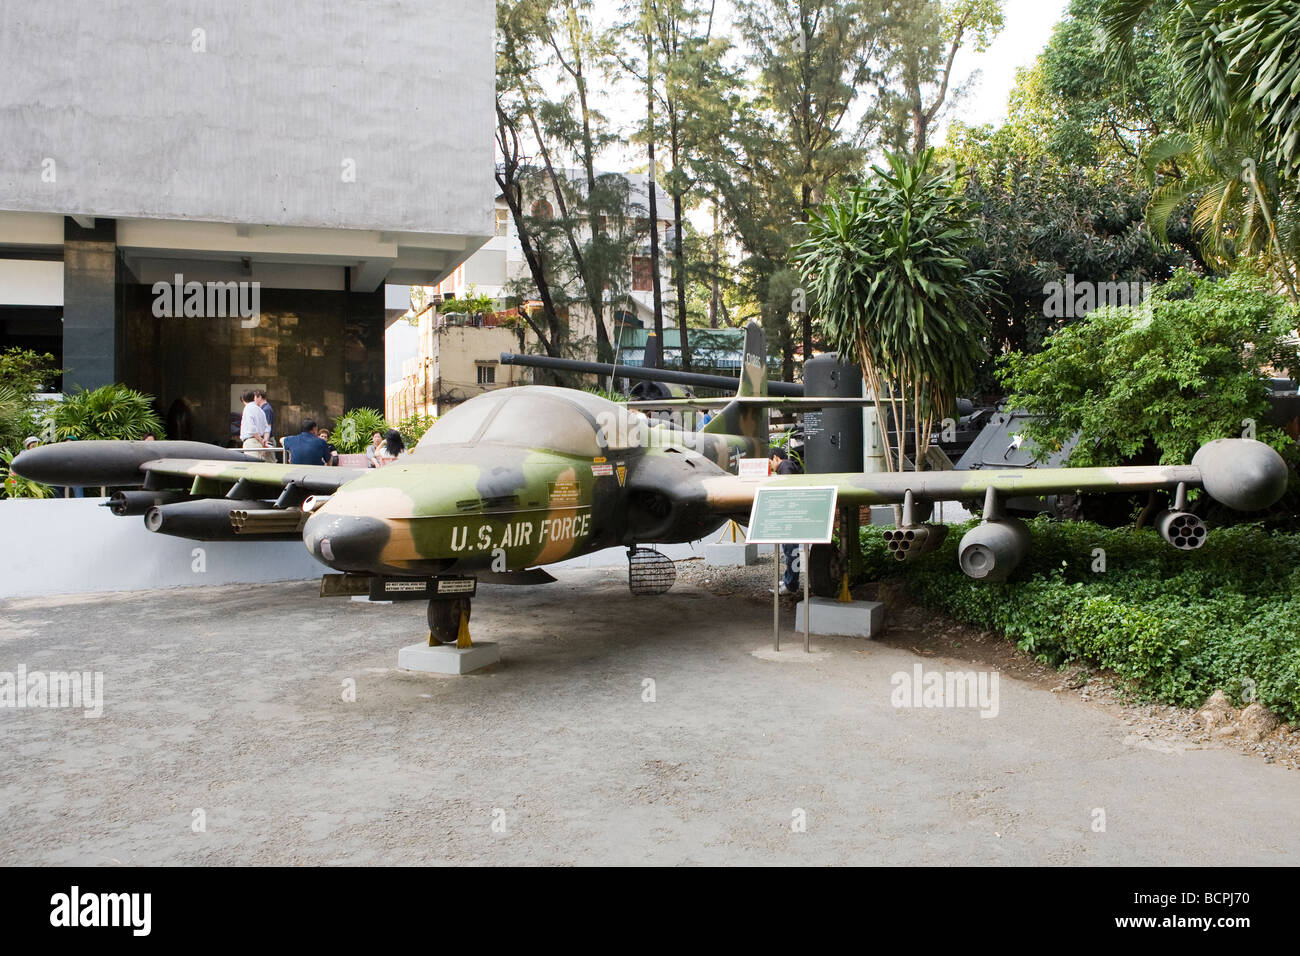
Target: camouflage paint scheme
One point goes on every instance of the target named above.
(522, 477)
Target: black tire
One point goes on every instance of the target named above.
(444, 619)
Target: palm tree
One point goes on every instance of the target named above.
(1236, 69)
(1242, 207)
(1236, 65)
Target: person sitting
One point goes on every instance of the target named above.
(332, 458)
(307, 447)
(376, 445)
(393, 446)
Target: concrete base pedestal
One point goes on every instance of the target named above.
(829, 616)
(447, 658)
(737, 554)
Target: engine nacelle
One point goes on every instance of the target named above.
(991, 550)
(1182, 529)
(911, 540)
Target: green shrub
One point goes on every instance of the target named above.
(108, 412)
(1178, 624)
(474, 303)
(352, 430)
(23, 375)
(413, 427)
(1161, 378)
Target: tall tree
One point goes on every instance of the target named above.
(561, 126)
(797, 138)
(1235, 70)
(924, 37)
(647, 28)
(516, 39)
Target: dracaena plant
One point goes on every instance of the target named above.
(887, 275)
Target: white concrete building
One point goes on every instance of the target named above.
(304, 151)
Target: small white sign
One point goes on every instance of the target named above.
(754, 468)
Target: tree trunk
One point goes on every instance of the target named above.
(713, 272)
(654, 219)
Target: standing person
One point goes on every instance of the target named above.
(259, 396)
(307, 447)
(254, 433)
(375, 449)
(782, 465)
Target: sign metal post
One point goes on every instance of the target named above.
(792, 514)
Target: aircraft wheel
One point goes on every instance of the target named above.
(444, 619)
(826, 570)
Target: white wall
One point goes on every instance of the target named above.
(71, 545)
(31, 282)
(318, 113)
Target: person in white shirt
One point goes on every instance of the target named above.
(254, 433)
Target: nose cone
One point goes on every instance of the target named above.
(347, 542)
(1244, 474)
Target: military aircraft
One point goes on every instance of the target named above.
(519, 478)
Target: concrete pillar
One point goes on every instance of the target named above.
(92, 329)
(363, 361)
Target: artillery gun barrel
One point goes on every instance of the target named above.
(697, 379)
(277, 521)
(209, 519)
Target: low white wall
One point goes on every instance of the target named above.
(70, 545)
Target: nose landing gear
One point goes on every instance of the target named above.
(449, 621)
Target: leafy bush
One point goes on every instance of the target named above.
(474, 303)
(1177, 371)
(413, 427)
(23, 375)
(888, 273)
(108, 412)
(352, 430)
(1178, 624)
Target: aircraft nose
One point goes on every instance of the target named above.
(346, 542)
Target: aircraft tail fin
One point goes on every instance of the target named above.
(753, 368)
(736, 418)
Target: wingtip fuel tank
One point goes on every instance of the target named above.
(1244, 474)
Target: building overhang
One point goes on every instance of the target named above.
(357, 259)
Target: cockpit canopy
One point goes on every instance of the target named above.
(538, 416)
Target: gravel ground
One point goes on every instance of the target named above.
(1215, 724)
(263, 725)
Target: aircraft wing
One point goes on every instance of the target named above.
(124, 463)
(316, 479)
(1243, 474)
